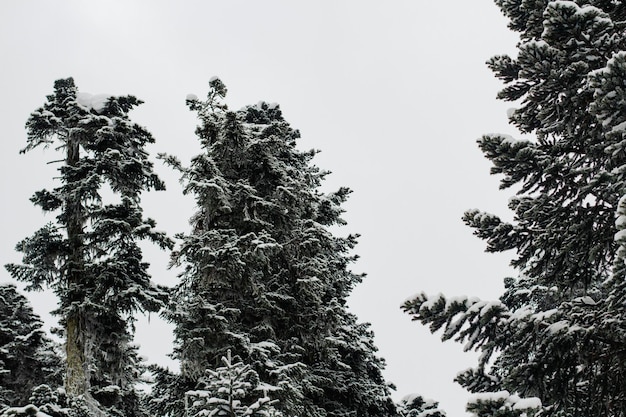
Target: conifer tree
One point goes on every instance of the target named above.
(555, 339)
(90, 255)
(232, 390)
(262, 274)
(27, 357)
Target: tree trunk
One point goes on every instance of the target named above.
(76, 379)
(76, 376)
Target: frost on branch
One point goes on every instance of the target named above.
(232, 390)
(503, 404)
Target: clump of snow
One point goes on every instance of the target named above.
(90, 101)
(29, 410)
(521, 313)
(489, 396)
(510, 112)
(544, 315)
(621, 235)
(622, 202)
(410, 397)
(110, 389)
(535, 43)
(429, 403)
(458, 299)
(191, 97)
(527, 403)
(620, 221)
(508, 139)
(511, 402)
(431, 301)
(265, 388)
(557, 327)
(488, 306)
(214, 78)
(619, 128)
(585, 300)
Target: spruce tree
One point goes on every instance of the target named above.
(90, 255)
(555, 339)
(232, 390)
(27, 357)
(263, 276)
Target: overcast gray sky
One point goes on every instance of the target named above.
(394, 94)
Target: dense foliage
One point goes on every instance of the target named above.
(27, 356)
(263, 276)
(231, 390)
(554, 342)
(90, 256)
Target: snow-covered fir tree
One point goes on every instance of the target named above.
(555, 341)
(27, 357)
(262, 274)
(90, 255)
(232, 390)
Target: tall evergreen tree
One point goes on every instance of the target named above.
(559, 330)
(263, 276)
(27, 357)
(90, 256)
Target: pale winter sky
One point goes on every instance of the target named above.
(393, 93)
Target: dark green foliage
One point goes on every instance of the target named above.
(27, 357)
(558, 332)
(90, 256)
(262, 275)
